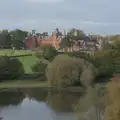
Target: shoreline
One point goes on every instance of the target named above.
(22, 84)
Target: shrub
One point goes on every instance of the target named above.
(40, 68)
(10, 68)
(66, 71)
(46, 52)
(104, 63)
(49, 53)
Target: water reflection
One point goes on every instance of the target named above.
(36, 93)
(31, 104)
(62, 101)
(11, 98)
(28, 110)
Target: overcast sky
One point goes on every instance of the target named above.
(92, 16)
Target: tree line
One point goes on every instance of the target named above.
(16, 38)
(12, 39)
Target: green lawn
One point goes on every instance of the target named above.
(23, 84)
(28, 62)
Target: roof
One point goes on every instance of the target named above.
(87, 38)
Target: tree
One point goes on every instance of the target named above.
(18, 38)
(5, 39)
(73, 34)
(76, 34)
(112, 103)
(104, 62)
(67, 71)
(93, 36)
(66, 42)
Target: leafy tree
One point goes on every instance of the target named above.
(73, 34)
(66, 71)
(104, 62)
(112, 101)
(5, 39)
(18, 38)
(66, 42)
(93, 36)
(76, 34)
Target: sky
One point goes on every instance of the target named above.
(91, 16)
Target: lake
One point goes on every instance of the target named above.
(37, 104)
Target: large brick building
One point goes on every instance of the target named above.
(37, 40)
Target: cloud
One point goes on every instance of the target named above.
(99, 23)
(45, 1)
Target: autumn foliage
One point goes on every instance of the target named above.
(112, 110)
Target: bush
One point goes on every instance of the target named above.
(39, 67)
(104, 63)
(46, 52)
(66, 71)
(49, 53)
(10, 68)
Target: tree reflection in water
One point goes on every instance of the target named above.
(11, 98)
(62, 101)
(58, 101)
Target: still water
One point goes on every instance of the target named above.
(37, 104)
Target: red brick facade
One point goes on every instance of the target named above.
(36, 41)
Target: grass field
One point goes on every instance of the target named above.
(15, 52)
(28, 62)
(23, 84)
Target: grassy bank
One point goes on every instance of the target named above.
(23, 84)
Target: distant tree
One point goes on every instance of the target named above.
(18, 38)
(5, 39)
(76, 34)
(66, 42)
(73, 34)
(114, 38)
(93, 36)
